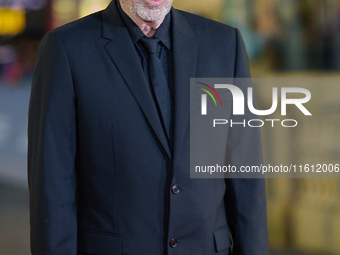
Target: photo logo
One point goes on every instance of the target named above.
(204, 97)
(288, 96)
(239, 99)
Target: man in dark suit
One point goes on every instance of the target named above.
(108, 160)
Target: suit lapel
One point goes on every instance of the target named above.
(123, 54)
(184, 61)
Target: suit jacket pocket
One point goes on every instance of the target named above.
(222, 238)
(99, 243)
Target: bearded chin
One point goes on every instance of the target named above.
(151, 14)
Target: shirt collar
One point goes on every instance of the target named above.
(162, 33)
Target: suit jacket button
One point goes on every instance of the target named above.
(173, 242)
(175, 189)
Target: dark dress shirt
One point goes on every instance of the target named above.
(163, 33)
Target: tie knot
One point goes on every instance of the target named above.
(150, 44)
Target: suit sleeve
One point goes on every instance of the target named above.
(52, 152)
(245, 198)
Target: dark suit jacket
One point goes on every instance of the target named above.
(100, 169)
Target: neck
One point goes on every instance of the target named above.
(148, 27)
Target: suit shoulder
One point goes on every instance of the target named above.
(201, 23)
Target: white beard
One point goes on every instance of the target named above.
(151, 13)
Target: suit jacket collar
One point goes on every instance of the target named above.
(185, 50)
(121, 50)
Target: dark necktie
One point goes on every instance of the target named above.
(158, 80)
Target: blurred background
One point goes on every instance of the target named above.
(284, 38)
